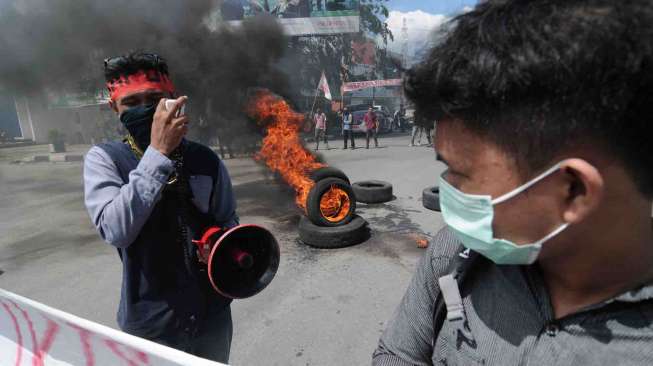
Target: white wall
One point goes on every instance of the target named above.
(79, 124)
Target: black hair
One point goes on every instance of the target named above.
(537, 77)
(133, 62)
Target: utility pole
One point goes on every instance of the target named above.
(404, 54)
(404, 44)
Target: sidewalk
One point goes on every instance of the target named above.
(41, 153)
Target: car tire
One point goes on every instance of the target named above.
(328, 172)
(352, 233)
(431, 198)
(315, 195)
(372, 191)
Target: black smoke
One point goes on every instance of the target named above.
(59, 45)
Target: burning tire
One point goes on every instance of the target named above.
(372, 191)
(431, 198)
(328, 172)
(352, 233)
(331, 202)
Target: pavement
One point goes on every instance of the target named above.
(325, 307)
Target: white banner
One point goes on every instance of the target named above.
(37, 335)
(357, 85)
(316, 25)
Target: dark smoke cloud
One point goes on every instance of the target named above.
(60, 44)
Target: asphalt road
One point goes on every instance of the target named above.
(325, 307)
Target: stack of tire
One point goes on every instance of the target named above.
(317, 231)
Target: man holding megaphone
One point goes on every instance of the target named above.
(167, 205)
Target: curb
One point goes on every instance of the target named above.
(54, 158)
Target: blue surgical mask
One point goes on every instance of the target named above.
(470, 217)
(138, 122)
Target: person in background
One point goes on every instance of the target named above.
(347, 133)
(398, 119)
(428, 131)
(418, 129)
(434, 129)
(544, 124)
(395, 120)
(320, 128)
(371, 127)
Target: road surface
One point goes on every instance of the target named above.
(325, 307)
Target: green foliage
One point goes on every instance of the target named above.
(371, 14)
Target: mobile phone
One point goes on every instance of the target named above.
(169, 103)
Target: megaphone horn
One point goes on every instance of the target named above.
(242, 261)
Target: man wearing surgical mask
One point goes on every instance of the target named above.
(148, 197)
(543, 112)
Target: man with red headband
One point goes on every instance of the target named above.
(149, 196)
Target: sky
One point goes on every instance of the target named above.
(422, 17)
(444, 7)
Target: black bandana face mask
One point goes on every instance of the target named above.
(138, 122)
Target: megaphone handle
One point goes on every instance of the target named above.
(203, 251)
(204, 245)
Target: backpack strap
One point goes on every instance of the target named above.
(448, 304)
(452, 299)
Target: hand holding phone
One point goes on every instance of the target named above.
(169, 125)
(170, 103)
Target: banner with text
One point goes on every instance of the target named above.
(298, 17)
(357, 85)
(35, 334)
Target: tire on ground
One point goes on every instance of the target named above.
(328, 172)
(431, 198)
(372, 191)
(355, 232)
(315, 195)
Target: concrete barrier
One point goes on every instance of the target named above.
(55, 158)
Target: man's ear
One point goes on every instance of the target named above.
(112, 105)
(584, 189)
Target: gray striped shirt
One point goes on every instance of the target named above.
(510, 321)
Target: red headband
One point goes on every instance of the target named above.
(139, 82)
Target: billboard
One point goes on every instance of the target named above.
(298, 17)
(363, 53)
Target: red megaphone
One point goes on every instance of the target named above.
(241, 261)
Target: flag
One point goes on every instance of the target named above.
(324, 86)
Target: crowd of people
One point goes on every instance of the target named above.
(370, 120)
(422, 127)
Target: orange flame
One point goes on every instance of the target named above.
(334, 204)
(282, 150)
